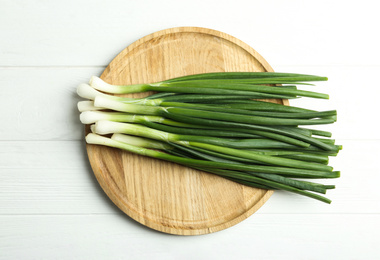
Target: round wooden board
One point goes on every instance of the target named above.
(162, 195)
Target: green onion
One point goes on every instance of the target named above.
(282, 114)
(104, 102)
(247, 127)
(258, 105)
(148, 143)
(211, 123)
(243, 75)
(247, 86)
(100, 140)
(224, 133)
(241, 86)
(324, 159)
(208, 143)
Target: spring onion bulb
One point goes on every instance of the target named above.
(88, 105)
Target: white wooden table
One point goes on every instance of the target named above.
(51, 206)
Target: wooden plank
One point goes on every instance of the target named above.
(264, 236)
(40, 103)
(92, 34)
(55, 178)
(62, 155)
(49, 178)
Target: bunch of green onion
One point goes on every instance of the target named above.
(218, 123)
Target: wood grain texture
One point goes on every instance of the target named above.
(162, 195)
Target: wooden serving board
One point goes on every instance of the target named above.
(162, 195)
